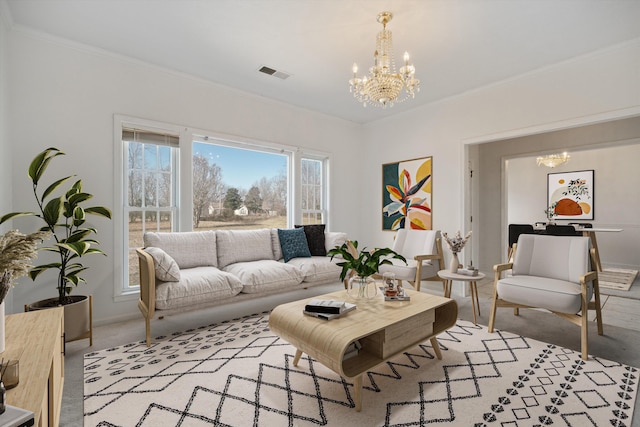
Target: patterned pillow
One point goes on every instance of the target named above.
(166, 268)
(293, 243)
(315, 238)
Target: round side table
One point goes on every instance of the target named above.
(449, 277)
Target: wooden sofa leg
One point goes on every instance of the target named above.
(147, 324)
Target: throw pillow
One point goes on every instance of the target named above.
(293, 243)
(315, 238)
(166, 268)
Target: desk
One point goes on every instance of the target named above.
(449, 277)
(591, 234)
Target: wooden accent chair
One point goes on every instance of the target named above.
(423, 251)
(550, 272)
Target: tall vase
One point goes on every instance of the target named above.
(453, 266)
(2, 326)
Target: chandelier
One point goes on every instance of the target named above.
(553, 160)
(382, 87)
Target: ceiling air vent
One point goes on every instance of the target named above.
(275, 73)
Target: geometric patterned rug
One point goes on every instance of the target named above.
(238, 373)
(617, 278)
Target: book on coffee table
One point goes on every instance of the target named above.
(328, 316)
(325, 306)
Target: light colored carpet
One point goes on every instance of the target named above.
(617, 278)
(238, 373)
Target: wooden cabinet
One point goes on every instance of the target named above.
(36, 339)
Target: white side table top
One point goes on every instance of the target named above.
(448, 275)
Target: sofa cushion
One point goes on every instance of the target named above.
(315, 238)
(318, 269)
(196, 286)
(243, 245)
(165, 267)
(293, 243)
(189, 249)
(265, 275)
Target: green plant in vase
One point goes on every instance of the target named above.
(64, 217)
(363, 264)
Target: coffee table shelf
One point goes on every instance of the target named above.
(384, 330)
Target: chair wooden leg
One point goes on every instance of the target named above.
(494, 306)
(147, 323)
(584, 329)
(596, 289)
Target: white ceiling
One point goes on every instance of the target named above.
(456, 45)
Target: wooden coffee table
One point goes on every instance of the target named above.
(384, 329)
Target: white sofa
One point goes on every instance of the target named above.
(188, 270)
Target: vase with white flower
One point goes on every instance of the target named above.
(16, 252)
(455, 245)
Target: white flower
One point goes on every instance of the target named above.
(457, 243)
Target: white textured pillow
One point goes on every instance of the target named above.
(166, 267)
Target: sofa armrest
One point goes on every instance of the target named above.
(147, 300)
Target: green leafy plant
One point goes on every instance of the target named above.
(64, 218)
(364, 263)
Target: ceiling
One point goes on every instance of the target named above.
(456, 45)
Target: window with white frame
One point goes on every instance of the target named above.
(220, 184)
(238, 186)
(313, 191)
(150, 181)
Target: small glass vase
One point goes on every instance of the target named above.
(362, 287)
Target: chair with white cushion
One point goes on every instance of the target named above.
(553, 273)
(423, 251)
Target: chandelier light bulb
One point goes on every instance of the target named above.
(406, 58)
(355, 69)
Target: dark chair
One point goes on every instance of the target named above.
(515, 230)
(562, 230)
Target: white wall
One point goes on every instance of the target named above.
(586, 89)
(616, 201)
(5, 146)
(66, 96)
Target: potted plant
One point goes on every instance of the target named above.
(362, 266)
(64, 217)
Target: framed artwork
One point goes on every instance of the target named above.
(406, 194)
(570, 194)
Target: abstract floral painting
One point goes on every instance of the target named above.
(406, 194)
(570, 194)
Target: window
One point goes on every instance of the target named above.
(172, 179)
(150, 202)
(312, 186)
(238, 187)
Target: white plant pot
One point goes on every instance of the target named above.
(77, 315)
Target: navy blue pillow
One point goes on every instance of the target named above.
(293, 243)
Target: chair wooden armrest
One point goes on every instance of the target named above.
(147, 299)
(588, 277)
(420, 258)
